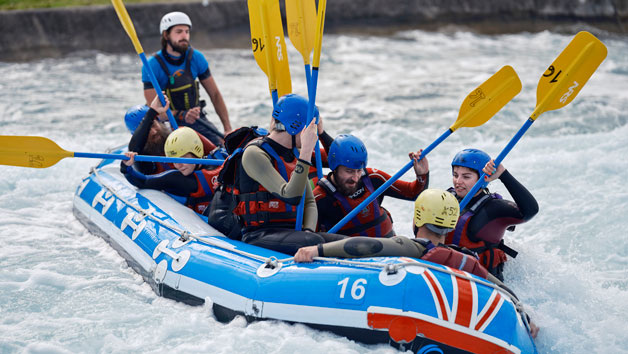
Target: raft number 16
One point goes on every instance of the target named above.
(358, 288)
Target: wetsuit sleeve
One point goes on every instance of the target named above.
(356, 247)
(326, 140)
(525, 200)
(310, 212)
(399, 189)
(258, 165)
(138, 141)
(171, 181)
(491, 221)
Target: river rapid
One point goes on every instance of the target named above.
(65, 290)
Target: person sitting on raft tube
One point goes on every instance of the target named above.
(149, 137)
(487, 216)
(271, 178)
(435, 214)
(350, 182)
(191, 181)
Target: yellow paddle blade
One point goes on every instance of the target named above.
(301, 18)
(125, 19)
(486, 100)
(320, 26)
(562, 81)
(30, 151)
(269, 45)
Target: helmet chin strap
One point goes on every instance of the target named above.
(294, 141)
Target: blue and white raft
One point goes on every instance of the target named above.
(408, 303)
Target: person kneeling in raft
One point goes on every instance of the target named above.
(191, 181)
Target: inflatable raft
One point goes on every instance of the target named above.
(409, 303)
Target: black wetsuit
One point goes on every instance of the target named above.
(138, 142)
(485, 229)
(171, 181)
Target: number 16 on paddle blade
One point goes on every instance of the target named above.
(269, 45)
(563, 80)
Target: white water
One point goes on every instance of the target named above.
(63, 289)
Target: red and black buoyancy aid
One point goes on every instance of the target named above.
(221, 215)
(207, 182)
(491, 255)
(372, 221)
(256, 206)
(452, 258)
(182, 88)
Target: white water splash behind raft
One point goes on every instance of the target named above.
(65, 290)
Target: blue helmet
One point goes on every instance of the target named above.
(347, 150)
(134, 116)
(471, 158)
(291, 111)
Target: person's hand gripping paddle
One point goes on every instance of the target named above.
(478, 107)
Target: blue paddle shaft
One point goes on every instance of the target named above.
(481, 183)
(151, 158)
(312, 79)
(317, 151)
(153, 80)
(388, 183)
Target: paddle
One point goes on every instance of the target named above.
(303, 17)
(558, 86)
(40, 152)
(267, 33)
(477, 108)
(125, 19)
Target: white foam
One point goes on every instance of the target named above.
(65, 290)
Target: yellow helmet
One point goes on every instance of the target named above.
(437, 209)
(182, 141)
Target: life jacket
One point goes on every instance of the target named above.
(256, 206)
(207, 181)
(221, 216)
(491, 255)
(453, 258)
(182, 88)
(372, 221)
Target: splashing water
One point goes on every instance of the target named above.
(63, 289)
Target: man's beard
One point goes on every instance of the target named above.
(180, 47)
(343, 188)
(155, 144)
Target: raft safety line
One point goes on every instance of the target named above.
(184, 235)
(273, 262)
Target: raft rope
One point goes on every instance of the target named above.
(273, 262)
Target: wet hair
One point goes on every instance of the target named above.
(278, 126)
(164, 41)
